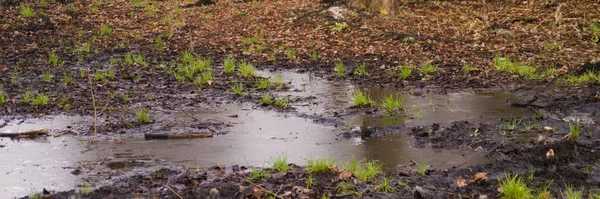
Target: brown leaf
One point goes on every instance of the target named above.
(345, 175)
(461, 182)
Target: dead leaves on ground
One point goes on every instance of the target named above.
(478, 178)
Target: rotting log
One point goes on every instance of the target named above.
(27, 134)
(176, 136)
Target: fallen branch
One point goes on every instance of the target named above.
(28, 133)
(62, 133)
(176, 136)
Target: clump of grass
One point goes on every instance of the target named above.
(277, 81)
(266, 99)
(280, 164)
(67, 79)
(340, 69)
(247, 69)
(290, 53)
(361, 99)
(2, 97)
(47, 77)
(504, 64)
(53, 59)
(392, 103)
(282, 102)
(25, 11)
(422, 166)
(229, 65)
(586, 78)
(367, 169)
(320, 165)
(238, 89)
(513, 187)
(143, 116)
(510, 123)
(105, 31)
(309, 181)
(404, 71)
(40, 100)
(314, 56)
(263, 84)
(428, 68)
(385, 186)
(258, 174)
(574, 130)
(28, 96)
(570, 193)
(361, 69)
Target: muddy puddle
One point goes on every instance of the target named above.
(255, 136)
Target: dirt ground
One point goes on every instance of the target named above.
(115, 59)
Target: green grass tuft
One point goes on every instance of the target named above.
(280, 164)
(2, 98)
(229, 65)
(247, 69)
(574, 130)
(513, 187)
(340, 69)
(105, 31)
(361, 99)
(143, 116)
(266, 99)
(385, 186)
(392, 103)
(320, 165)
(47, 77)
(282, 102)
(361, 69)
(238, 89)
(258, 174)
(366, 170)
(40, 100)
(570, 193)
(428, 68)
(404, 72)
(422, 166)
(25, 11)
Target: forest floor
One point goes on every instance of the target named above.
(131, 64)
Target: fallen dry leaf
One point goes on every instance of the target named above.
(345, 175)
(550, 153)
(461, 182)
(478, 178)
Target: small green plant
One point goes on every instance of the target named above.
(361, 69)
(422, 166)
(309, 181)
(314, 56)
(570, 193)
(277, 81)
(475, 133)
(26, 12)
(105, 31)
(266, 99)
(367, 169)
(392, 103)
(385, 186)
(404, 71)
(290, 53)
(320, 165)
(67, 79)
(340, 69)
(282, 102)
(510, 123)
(158, 43)
(125, 98)
(247, 69)
(229, 65)
(238, 89)
(428, 68)
(513, 187)
(258, 174)
(350, 166)
(47, 77)
(339, 27)
(361, 99)
(574, 130)
(543, 193)
(35, 196)
(504, 64)
(530, 173)
(143, 116)
(85, 189)
(28, 96)
(40, 100)
(280, 164)
(594, 30)
(467, 68)
(263, 84)
(53, 59)
(271, 57)
(2, 97)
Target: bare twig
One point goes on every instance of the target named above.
(169, 187)
(94, 105)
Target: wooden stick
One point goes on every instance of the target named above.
(176, 136)
(62, 133)
(94, 105)
(28, 133)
